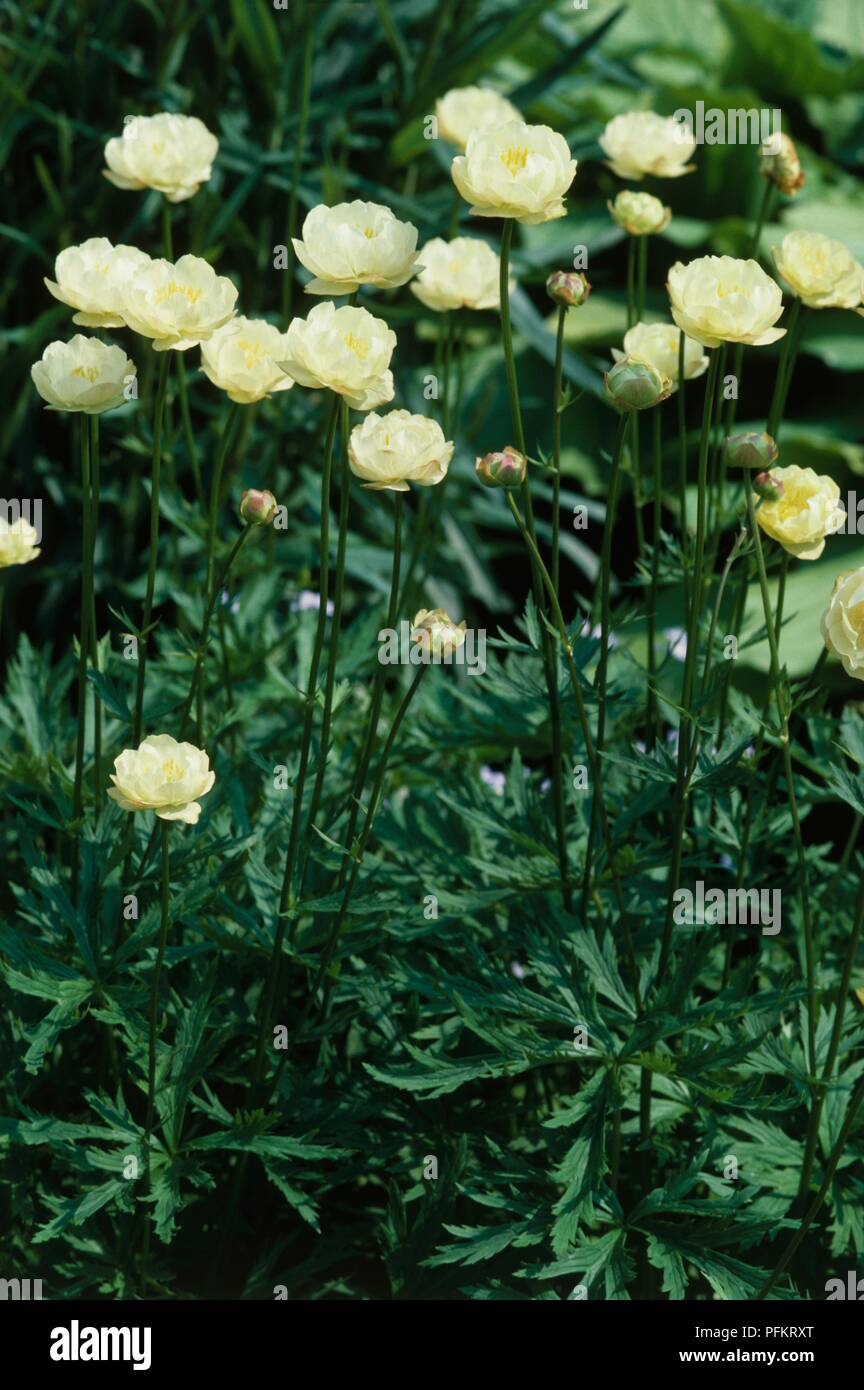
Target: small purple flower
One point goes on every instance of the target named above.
(517, 970)
(546, 785)
(308, 599)
(496, 780)
(233, 604)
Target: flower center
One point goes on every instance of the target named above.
(171, 770)
(359, 346)
(253, 353)
(369, 232)
(189, 292)
(89, 373)
(515, 157)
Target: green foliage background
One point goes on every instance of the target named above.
(453, 1036)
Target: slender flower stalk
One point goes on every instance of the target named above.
(786, 365)
(549, 662)
(371, 731)
(682, 470)
(333, 652)
(694, 613)
(225, 442)
(606, 574)
(286, 897)
(95, 471)
(652, 711)
(198, 670)
(156, 465)
(83, 639)
(783, 705)
(154, 1029)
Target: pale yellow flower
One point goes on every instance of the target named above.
(515, 170)
(465, 109)
(347, 350)
(718, 299)
(18, 542)
(459, 274)
(842, 622)
(179, 304)
(240, 358)
(92, 278)
(390, 451)
(355, 244)
(640, 214)
(637, 143)
(83, 375)
(808, 511)
(164, 776)
(822, 272)
(437, 633)
(657, 344)
(170, 153)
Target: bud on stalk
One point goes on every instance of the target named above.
(505, 469)
(258, 508)
(750, 451)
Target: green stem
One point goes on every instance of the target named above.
(557, 408)
(814, 1208)
(287, 891)
(642, 262)
(682, 464)
(188, 432)
(785, 366)
(94, 631)
(606, 576)
(694, 611)
(631, 281)
(781, 695)
(652, 711)
(371, 731)
(154, 1022)
(83, 641)
(156, 464)
(335, 624)
(198, 670)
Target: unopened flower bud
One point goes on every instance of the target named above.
(780, 164)
(568, 287)
(769, 488)
(640, 214)
(258, 508)
(437, 633)
(505, 469)
(750, 451)
(635, 385)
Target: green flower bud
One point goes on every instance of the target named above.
(568, 287)
(507, 469)
(750, 451)
(770, 489)
(635, 385)
(258, 508)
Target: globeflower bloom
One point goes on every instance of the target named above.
(842, 623)
(388, 452)
(459, 274)
(436, 633)
(83, 375)
(178, 304)
(18, 542)
(822, 272)
(258, 508)
(240, 358)
(173, 154)
(658, 344)
(345, 350)
(92, 278)
(465, 109)
(355, 244)
(807, 511)
(637, 143)
(718, 299)
(639, 214)
(164, 776)
(515, 170)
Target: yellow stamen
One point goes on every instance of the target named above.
(189, 292)
(515, 157)
(89, 373)
(359, 346)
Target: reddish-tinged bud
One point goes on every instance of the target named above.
(506, 469)
(568, 287)
(770, 489)
(750, 451)
(258, 508)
